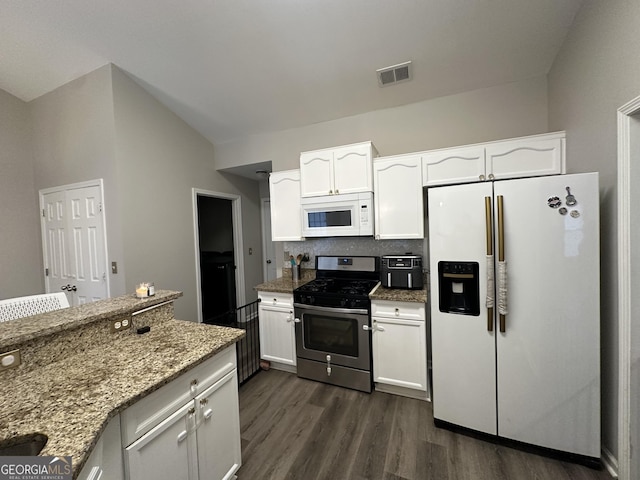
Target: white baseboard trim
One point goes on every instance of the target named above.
(402, 391)
(610, 462)
(284, 367)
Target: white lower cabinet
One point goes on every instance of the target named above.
(399, 344)
(218, 439)
(163, 453)
(105, 461)
(277, 332)
(198, 440)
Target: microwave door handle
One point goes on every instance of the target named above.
(409, 281)
(389, 279)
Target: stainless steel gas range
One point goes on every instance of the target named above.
(333, 321)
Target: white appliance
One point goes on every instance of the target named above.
(347, 215)
(532, 373)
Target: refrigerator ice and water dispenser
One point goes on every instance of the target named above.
(459, 288)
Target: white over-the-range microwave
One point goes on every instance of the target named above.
(344, 215)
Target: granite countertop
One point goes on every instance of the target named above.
(72, 399)
(284, 284)
(398, 295)
(14, 332)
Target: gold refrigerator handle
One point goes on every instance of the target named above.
(501, 251)
(489, 229)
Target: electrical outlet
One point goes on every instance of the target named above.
(10, 359)
(286, 256)
(120, 324)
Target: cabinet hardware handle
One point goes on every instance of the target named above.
(182, 436)
(380, 329)
(330, 192)
(191, 411)
(491, 177)
(397, 312)
(208, 413)
(296, 320)
(204, 401)
(194, 382)
(337, 192)
(481, 177)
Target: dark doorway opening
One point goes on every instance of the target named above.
(217, 265)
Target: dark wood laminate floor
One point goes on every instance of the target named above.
(293, 428)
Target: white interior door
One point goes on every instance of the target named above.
(54, 226)
(549, 354)
(74, 242)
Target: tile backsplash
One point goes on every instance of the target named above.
(353, 246)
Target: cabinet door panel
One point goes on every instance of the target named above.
(286, 214)
(352, 170)
(525, 158)
(316, 173)
(408, 370)
(165, 453)
(218, 432)
(277, 340)
(456, 165)
(399, 210)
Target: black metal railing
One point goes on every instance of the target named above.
(248, 349)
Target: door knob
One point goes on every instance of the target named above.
(269, 261)
(74, 288)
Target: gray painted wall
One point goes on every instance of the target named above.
(596, 71)
(74, 141)
(504, 111)
(21, 257)
(104, 125)
(160, 159)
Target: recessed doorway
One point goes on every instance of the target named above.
(219, 265)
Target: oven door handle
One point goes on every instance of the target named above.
(353, 311)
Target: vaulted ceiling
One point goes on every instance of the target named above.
(232, 68)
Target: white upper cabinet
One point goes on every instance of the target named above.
(338, 170)
(453, 165)
(526, 157)
(399, 211)
(286, 214)
(530, 156)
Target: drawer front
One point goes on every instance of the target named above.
(148, 412)
(275, 299)
(404, 310)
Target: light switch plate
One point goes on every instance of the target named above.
(114, 267)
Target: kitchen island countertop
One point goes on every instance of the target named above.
(72, 398)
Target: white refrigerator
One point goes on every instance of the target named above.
(515, 309)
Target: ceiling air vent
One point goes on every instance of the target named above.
(394, 74)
